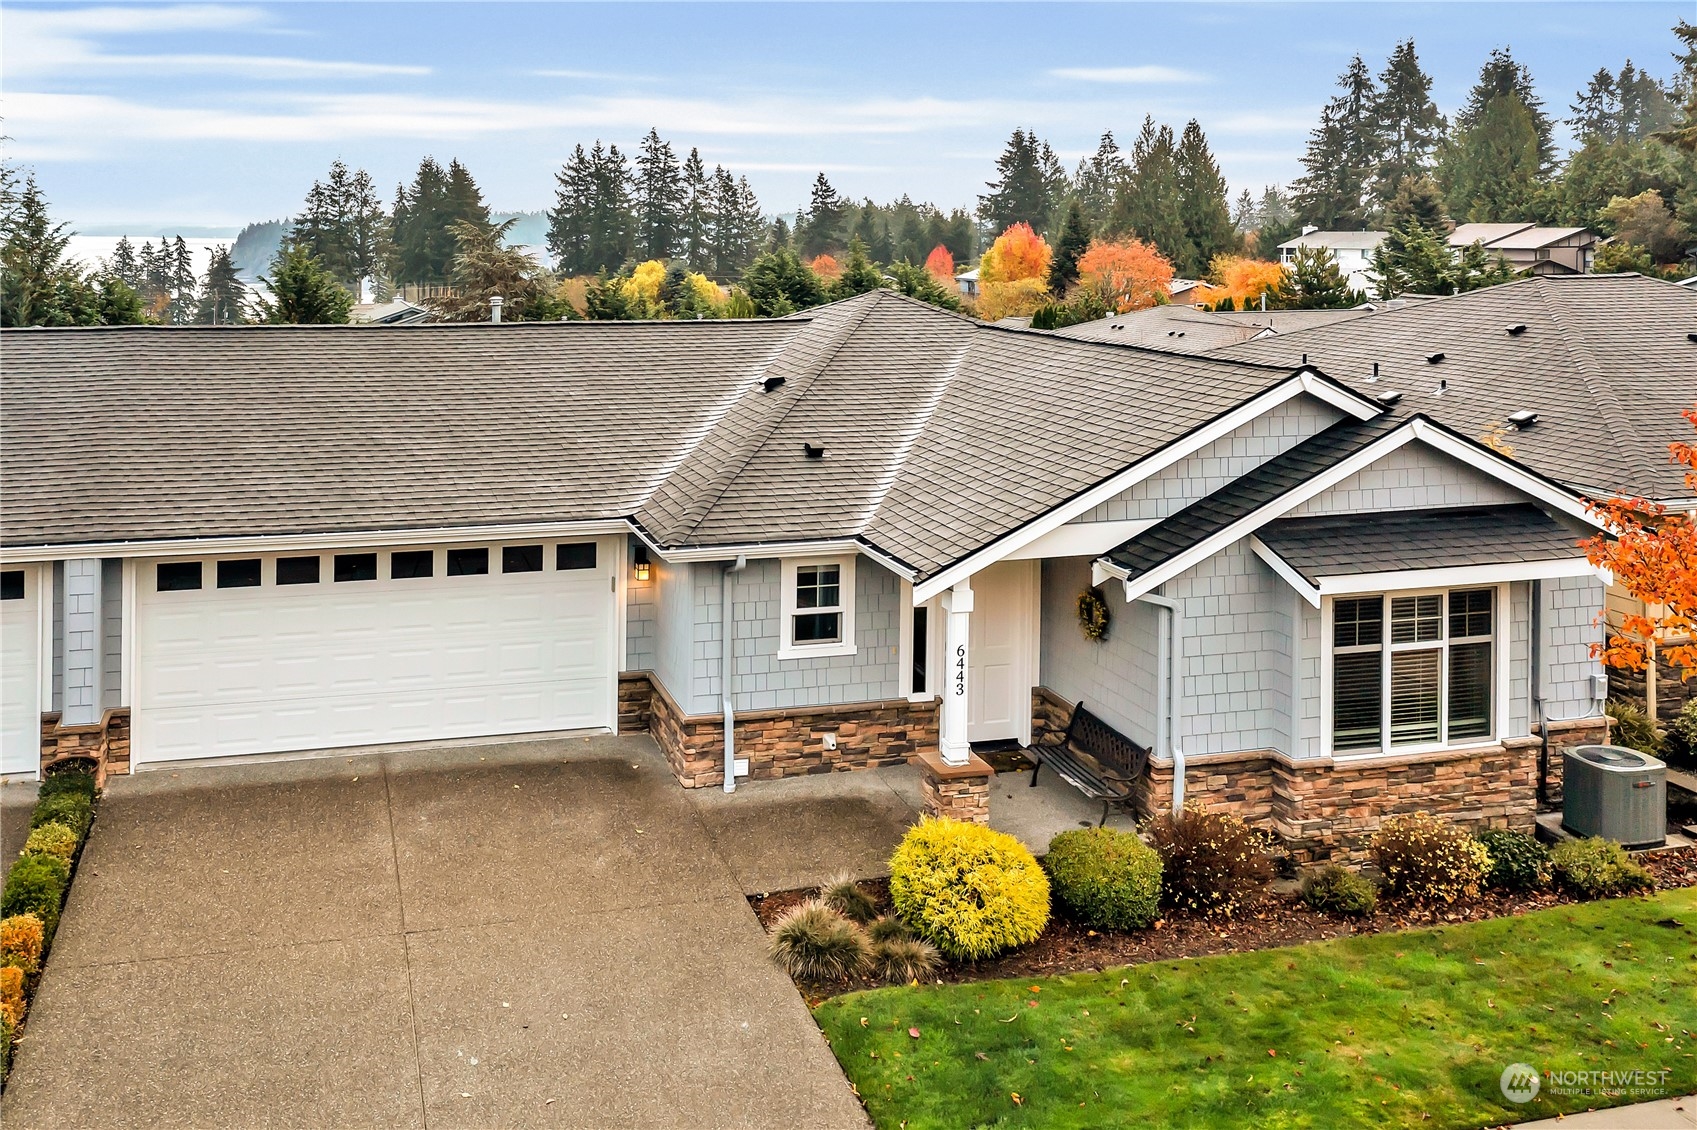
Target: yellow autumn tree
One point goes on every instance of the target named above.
(1242, 280)
(1017, 299)
(1018, 253)
(642, 289)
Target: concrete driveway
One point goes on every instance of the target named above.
(536, 935)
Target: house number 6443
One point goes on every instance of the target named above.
(960, 670)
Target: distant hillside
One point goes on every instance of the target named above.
(257, 244)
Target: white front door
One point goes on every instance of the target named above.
(1002, 652)
(319, 651)
(20, 670)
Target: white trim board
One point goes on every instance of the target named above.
(1450, 576)
(1305, 381)
(1416, 429)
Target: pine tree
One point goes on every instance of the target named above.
(661, 197)
(1418, 200)
(302, 292)
(223, 297)
(1501, 77)
(123, 266)
(1343, 153)
(1245, 216)
(32, 258)
(1492, 168)
(591, 227)
(779, 283)
(1030, 185)
(1276, 222)
(1148, 204)
(819, 229)
(1074, 241)
(859, 275)
(1596, 109)
(697, 205)
(181, 283)
(1098, 179)
(1408, 123)
(422, 244)
(1313, 282)
(1207, 221)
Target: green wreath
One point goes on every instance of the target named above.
(1093, 614)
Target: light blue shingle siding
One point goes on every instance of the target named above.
(1118, 677)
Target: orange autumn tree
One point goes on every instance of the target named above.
(941, 265)
(1125, 275)
(1652, 554)
(1242, 280)
(827, 267)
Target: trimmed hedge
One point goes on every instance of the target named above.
(969, 891)
(71, 809)
(1598, 869)
(1338, 890)
(1518, 861)
(1426, 857)
(21, 939)
(36, 885)
(73, 782)
(52, 838)
(1105, 878)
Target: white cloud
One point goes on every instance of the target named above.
(62, 44)
(1143, 74)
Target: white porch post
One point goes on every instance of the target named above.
(951, 736)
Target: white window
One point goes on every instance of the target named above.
(1412, 670)
(818, 607)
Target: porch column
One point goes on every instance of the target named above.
(951, 725)
(84, 636)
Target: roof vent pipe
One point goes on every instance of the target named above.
(1375, 375)
(495, 310)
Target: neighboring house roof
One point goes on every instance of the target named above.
(1337, 240)
(1465, 234)
(940, 433)
(1284, 321)
(1604, 361)
(1529, 239)
(1338, 545)
(395, 312)
(1185, 329)
(967, 276)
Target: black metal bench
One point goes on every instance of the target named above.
(1092, 757)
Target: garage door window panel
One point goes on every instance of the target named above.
(468, 562)
(12, 584)
(412, 564)
(177, 576)
(297, 570)
(240, 574)
(356, 567)
(521, 559)
(574, 555)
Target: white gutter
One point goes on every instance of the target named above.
(727, 637)
(1167, 726)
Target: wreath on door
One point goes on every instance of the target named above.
(1093, 614)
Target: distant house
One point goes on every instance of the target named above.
(968, 282)
(395, 312)
(1536, 250)
(1184, 292)
(1352, 249)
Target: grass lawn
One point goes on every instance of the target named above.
(1409, 1029)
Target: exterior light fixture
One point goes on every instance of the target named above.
(642, 566)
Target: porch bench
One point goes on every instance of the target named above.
(1092, 757)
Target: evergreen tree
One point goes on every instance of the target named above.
(302, 292)
(32, 258)
(1245, 216)
(422, 244)
(1342, 156)
(1683, 134)
(693, 228)
(1148, 205)
(859, 275)
(123, 266)
(819, 230)
(1098, 179)
(1207, 221)
(591, 227)
(1418, 200)
(223, 297)
(1408, 124)
(1502, 77)
(1313, 282)
(1030, 185)
(661, 200)
(1074, 241)
(779, 283)
(1276, 222)
(183, 283)
(1492, 168)
(484, 267)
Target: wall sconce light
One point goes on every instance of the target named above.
(642, 569)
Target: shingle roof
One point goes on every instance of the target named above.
(1604, 361)
(1350, 544)
(940, 433)
(1355, 240)
(1186, 329)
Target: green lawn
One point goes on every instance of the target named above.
(1373, 1031)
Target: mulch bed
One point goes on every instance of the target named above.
(1273, 919)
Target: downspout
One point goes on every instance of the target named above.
(1537, 632)
(1173, 645)
(727, 632)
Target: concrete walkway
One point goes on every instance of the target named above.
(552, 934)
(1662, 1114)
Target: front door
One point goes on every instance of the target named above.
(1002, 651)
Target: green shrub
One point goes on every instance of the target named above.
(1597, 868)
(901, 961)
(1681, 741)
(1210, 861)
(52, 838)
(815, 943)
(75, 782)
(36, 885)
(844, 896)
(21, 940)
(1518, 861)
(1338, 890)
(70, 809)
(889, 928)
(5, 1042)
(1428, 858)
(1105, 878)
(1633, 728)
(967, 890)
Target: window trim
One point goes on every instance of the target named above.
(788, 648)
(1501, 637)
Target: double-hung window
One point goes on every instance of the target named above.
(1412, 670)
(817, 607)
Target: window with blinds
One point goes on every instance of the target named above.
(1425, 681)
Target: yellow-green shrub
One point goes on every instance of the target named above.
(52, 838)
(969, 891)
(1426, 857)
(20, 942)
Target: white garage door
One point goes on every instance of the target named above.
(20, 670)
(290, 652)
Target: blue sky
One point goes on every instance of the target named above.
(205, 116)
